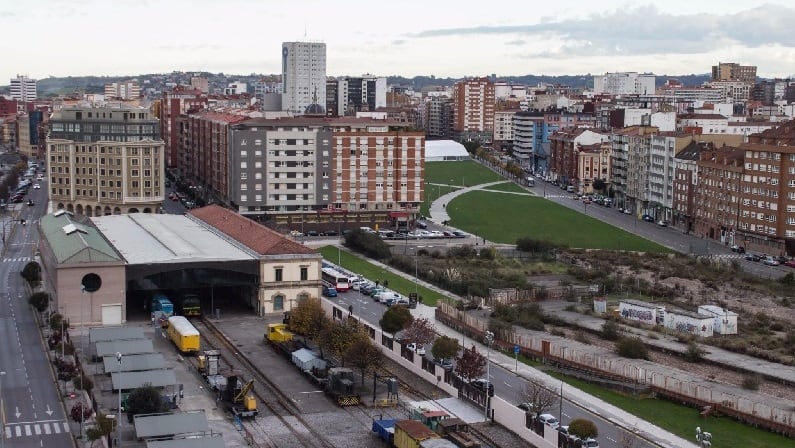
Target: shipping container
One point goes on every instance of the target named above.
(409, 433)
(183, 334)
(385, 430)
(648, 313)
(689, 322)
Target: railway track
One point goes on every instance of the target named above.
(280, 405)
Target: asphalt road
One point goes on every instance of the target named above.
(31, 406)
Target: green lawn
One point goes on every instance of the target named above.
(682, 420)
(373, 272)
(504, 218)
(507, 186)
(465, 173)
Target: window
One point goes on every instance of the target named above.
(304, 273)
(278, 274)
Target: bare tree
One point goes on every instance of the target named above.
(420, 331)
(471, 364)
(542, 398)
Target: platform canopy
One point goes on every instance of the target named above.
(134, 380)
(214, 441)
(170, 424)
(114, 333)
(132, 363)
(131, 347)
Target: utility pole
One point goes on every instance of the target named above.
(118, 358)
(489, 340)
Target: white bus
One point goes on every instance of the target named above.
(341, 282)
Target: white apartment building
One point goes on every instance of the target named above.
(503, 125)
(23, 89)
(235, 88)
(126, 90)
(624, 83)
(303, 76)
(662, 165)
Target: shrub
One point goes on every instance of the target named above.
(694, 353)
(610, 330)
(751, 382)
(580, 336)
(31, 272)
(369, 244)
(86, 383)
(39, 300)
(633, 348)
(80, 412)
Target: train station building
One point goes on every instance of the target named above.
(104, 270)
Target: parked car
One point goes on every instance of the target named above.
(770, 261)
(565, 431)
(790, 263)
(481, 383)
(753, 257)
(416, 348)
(549, 419)
(421, 224)
(648, 218)
(312, 233)
(590, 443)
(737, 248)
(662, 223)
(36, 186)
(526, 406)
(459, 234)
(329, 291)
(30, 202)
(331, 233)
(446, 363)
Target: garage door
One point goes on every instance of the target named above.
(111, 314)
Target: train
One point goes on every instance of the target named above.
(337, 382)
(183, 334)
(161, 304)
(189, 305)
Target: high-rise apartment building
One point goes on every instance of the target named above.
(104, 160)
(731, 71)
(200, 83)
(438, 120)
(474, 109)
(624, 83)
(23, 89)
(125, 90)
(173, 105)
(303, 76)
(355, 94)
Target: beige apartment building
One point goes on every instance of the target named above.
(104, 160)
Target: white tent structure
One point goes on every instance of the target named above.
(444, 150)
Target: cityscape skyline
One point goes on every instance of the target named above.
(567, 38)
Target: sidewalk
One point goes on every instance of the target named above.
(593, 404)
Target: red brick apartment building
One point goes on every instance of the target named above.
(173, 105)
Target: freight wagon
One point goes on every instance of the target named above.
(183, 334)
(409, 434)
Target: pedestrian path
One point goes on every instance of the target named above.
(37, 428)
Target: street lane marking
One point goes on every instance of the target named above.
(66, 427)
(47, 429)
(27, 430)
(37, 430)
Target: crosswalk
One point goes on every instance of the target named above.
(728, 256)
(40, 428)
(20, 259)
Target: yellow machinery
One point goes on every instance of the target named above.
(242, 404)
(278, 333)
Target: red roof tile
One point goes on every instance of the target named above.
(253, 235)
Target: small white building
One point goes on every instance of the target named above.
(444, 150)
(689, 322)
(648, 313)
(724, 321)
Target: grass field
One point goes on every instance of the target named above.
(509, 187)
(467, 173)
(373, 272)
(504, 218)
(682, 420)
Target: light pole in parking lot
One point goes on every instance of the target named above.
(489, 340)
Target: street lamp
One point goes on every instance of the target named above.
(83, 354)
(489, 340)
(118, 359)
(2, 407)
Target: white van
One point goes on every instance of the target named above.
(530, 182)
(570, 189)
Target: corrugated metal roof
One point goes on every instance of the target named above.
(162, 238)
(107, 334)
(132, 363)
(131, 347)
(214, 441)
(158, 425)
(134, 380)
(83, 244)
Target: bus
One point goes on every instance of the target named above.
(161, 304)
(190, 305)
(336, 279)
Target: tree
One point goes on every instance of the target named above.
(633, 348)
(599, 184)
(471, 364)
(103, 427)
(419, 331)
(308, 318)
(445, 347)
(40, 300)
(31, 272)
(542, 398)
(396, 318)
(338, 336)
(80, 412)
(364, 355)
(144, 400)
(583, 428)
(82, 381)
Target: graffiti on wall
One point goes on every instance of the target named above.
(636, 314)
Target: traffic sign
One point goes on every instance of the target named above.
(516, 349)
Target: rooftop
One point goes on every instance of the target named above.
(73, 242)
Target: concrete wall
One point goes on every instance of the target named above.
(83, 308)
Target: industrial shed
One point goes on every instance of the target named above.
(162, 425)
(689, 322)
(107, 334)
(133, 363)
(648, 313)
(134, 380)
(724, 321)
(212, 441)
(444, 150)
(131, 347)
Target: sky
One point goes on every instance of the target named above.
(406, 37)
